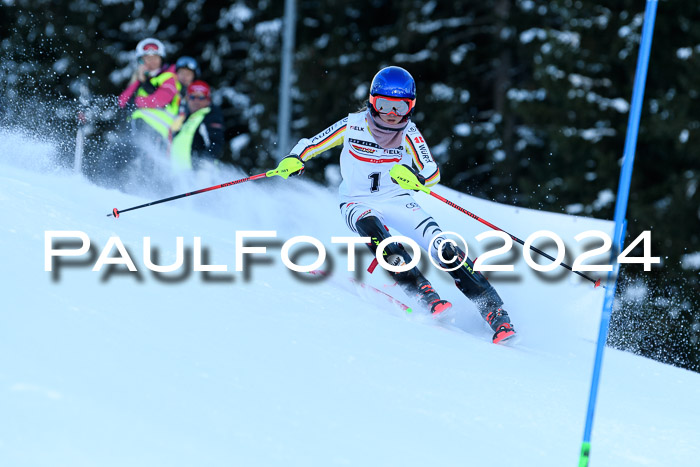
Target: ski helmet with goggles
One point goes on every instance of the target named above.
(189, 63)
(150, 46)
(200, 87)
(393, 90)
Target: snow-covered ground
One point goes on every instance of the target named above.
(117, 368)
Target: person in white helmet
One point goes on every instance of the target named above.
(383, 158)
(154, 90)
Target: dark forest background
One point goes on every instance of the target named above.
(524, 103)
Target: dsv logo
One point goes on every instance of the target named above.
(412, 205)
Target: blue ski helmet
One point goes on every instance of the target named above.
(393, 81)
(189, 63)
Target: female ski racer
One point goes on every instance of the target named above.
(384, 156)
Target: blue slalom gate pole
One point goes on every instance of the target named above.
(620, 211)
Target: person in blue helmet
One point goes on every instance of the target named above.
(382, 149)
(187, 70)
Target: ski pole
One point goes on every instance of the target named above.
(404, 177)
(533, 248)
(270, 173)
(79, 144)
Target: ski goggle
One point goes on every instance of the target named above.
(392, 105)
(195, 97)
(150, 49)
(187, 62)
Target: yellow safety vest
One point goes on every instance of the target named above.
(181, 150)
(160, 119)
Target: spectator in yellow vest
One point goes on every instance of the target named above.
(202, 134)
(154, 90)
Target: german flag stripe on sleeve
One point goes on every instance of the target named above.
(414, 153)
(433, 179)
(330, 141)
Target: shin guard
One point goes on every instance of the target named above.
(394, 253)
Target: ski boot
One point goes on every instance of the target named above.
(415, 285)
(500, 324)
(412, 282)
(475, 287)
(430, 299)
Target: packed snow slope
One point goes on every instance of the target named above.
(262, 367)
